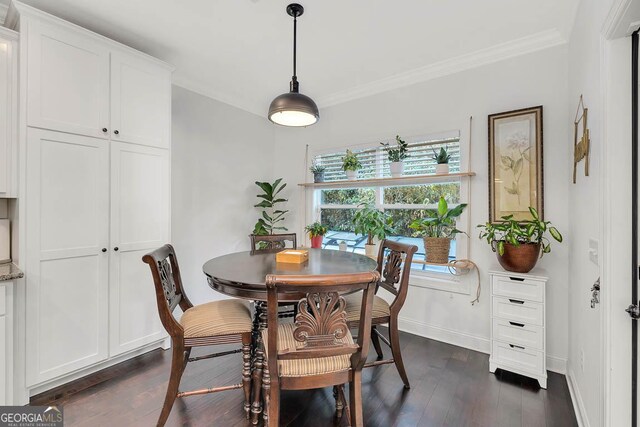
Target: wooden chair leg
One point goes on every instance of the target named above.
(246, 373)
(376, 343)
(266, 390)
(177, 367)
(274, 404)
(256, 406)
(395, 350)
(355, 400)
(339, 397)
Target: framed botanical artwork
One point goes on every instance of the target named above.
(515, 164)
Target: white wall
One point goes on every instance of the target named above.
(585, 337)
(218, 151)
(445, 104)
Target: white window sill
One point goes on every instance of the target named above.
(440, 282)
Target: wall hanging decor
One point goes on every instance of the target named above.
(582, 146)
(515, 164)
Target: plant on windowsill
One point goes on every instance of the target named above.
(396, 156)
(373, 223)
(442, 161)
(272, 215)
(437, 229)
(318, 172)
(316, 233)
(518, 244)
(351, 165)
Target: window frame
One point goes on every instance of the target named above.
(429, 279)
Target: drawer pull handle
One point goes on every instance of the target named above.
(516, 346)
(517, 279)
(521, 325)
(516, 301)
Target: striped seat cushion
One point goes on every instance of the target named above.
(354, 301)
(305, 367)
(224, 317)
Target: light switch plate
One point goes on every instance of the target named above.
(593, 251)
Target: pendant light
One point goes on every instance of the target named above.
(294, 108)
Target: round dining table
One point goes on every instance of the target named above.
(243, 275)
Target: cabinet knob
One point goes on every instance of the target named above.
(116, 249)
(116, 132)
(104, 130)
(104, 249)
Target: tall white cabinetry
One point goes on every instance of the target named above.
(8, 112)
(97, 196)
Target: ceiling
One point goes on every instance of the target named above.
(239, 51)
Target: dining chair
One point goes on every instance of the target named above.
(394, 266)
(271, 243)
(317, 350)
(213, 323)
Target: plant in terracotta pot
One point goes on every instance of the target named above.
(351, 164)
(396, 156)
(371, 222)
(318, 172)
(442, 161)
(316, 233)
(437, 229)
(519, 244)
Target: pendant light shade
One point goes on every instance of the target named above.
(293, 108)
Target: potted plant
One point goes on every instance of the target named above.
(316, 233)
(318, 172)
(271, 214)
(437, 229)
(351, 165)
(396, 156)
(371, 222)
(518, 244)
(442, 161)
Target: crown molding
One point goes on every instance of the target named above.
(201, 89)
(497, 53)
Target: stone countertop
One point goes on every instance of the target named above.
(10, 271)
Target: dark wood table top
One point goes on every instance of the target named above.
(243, 275)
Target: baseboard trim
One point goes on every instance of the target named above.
(461, 339)
(449, 336)
(61, 381)
(576, 400)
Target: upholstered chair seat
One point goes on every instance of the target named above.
(354, 303)
(217, 318)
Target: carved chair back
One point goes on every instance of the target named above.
(272, 243)
(321, 320)
(394, 266)
(168, 283)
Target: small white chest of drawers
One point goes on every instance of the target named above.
(518, 326)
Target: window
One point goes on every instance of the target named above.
(336, 206)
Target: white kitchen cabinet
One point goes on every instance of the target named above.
(8, 113)
(67, 257)
(67, 80)
(518, 326)
(96, 129)
(139, 224)
(140, 101)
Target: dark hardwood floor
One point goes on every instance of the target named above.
(450, 386)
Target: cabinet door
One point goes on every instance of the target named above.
(140, 191)
(140, 101)
(68, 80)
(3, 361)
(8, 114)
(67, 218)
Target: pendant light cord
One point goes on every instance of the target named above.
(295, 32)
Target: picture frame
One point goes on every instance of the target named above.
(515, 164)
